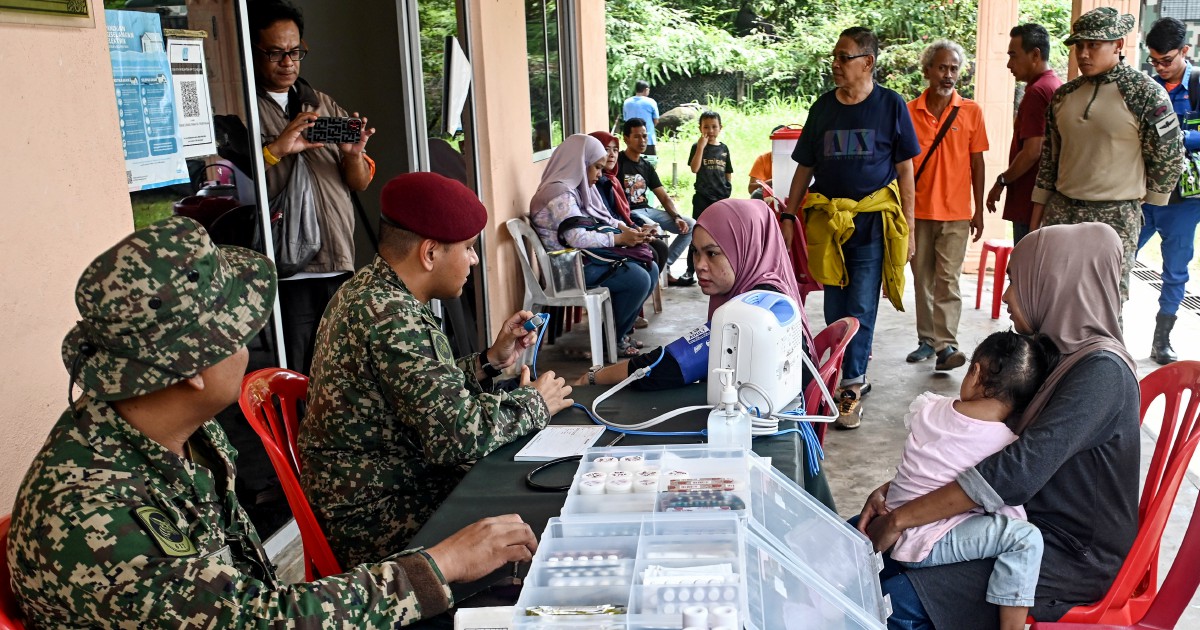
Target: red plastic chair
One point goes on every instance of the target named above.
(1172, 599)
(260, 390)
(833, 339)
(1002, 249)
(1135, 588)
(10, 610)
(799, 253)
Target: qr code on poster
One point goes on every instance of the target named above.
(190, 98)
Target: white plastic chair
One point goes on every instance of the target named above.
(542, 292)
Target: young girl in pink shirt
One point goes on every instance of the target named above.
(946, 437)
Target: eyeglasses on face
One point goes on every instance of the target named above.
(275, 56)
(843, 58)
(1162, 62)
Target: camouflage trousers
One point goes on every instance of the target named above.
(1124, 216)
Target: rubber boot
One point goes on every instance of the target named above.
(1161, 350)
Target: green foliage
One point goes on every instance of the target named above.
(437, 19)
(1055, 16)
(659, 39)
(652, 41)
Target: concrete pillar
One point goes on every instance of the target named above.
(994, 86)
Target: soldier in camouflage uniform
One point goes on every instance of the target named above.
(1112, 139)
(127, 517)
(394, 420)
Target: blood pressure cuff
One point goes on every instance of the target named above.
(685, 361)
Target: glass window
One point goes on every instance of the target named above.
(545, 75)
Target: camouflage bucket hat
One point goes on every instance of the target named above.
(162, 305)
(1102, 24)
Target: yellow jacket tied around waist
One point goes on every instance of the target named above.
(829, 223)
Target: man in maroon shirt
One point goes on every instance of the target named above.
(1028, 60)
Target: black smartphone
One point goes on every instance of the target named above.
(334, 130)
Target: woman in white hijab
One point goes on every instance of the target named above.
(567, 211)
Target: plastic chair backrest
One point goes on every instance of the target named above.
(1135, 586)
(527, 241)
(833, 339)
(10, 610)
(1182, 580)
(277, 428)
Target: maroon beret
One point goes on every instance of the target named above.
(432, 206)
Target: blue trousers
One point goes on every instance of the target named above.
(1015, 544)
(1176, 224)
(629, 285)
(907, 611)
(1020, 231)
(859, 298)
(679, 245)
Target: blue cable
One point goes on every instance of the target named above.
(537, 345)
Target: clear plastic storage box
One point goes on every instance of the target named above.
(718, 528)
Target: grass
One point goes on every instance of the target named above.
(746, 129)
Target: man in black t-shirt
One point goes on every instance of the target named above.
(639, 179)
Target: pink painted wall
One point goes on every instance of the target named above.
(64, 202)
(508, 174)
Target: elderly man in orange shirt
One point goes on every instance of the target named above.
(949, 174)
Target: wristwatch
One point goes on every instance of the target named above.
(489, 370)
(1000, 180)
(592, 373)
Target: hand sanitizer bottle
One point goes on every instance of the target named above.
(728, 423)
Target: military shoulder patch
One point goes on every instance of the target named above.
(441, 346)
(1167, 125)
(169, 539)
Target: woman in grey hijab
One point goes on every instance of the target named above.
(1075, 465)
(568, 211)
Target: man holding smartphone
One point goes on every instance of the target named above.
(288, 107)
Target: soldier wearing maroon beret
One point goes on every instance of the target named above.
(394, 419)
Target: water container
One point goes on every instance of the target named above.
(783, 142)
(729, 422)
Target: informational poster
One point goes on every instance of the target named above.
(192, 102)
(145, 101)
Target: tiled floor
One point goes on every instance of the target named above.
(859, 461)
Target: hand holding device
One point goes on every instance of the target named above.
(335, 130)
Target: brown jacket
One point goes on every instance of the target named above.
(336, 210)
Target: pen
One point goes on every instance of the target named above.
(620, 436)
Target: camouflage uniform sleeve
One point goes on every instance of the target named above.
(455, 420)
(1162, 140)
(105, 572)
(1048, 166)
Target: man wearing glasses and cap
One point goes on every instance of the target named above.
(127, 516)
(1112, 139)
(287, 107)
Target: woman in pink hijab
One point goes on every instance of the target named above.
(737, 247)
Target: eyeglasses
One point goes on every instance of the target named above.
(1164, 62)
(275, 56)
(843, 58)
